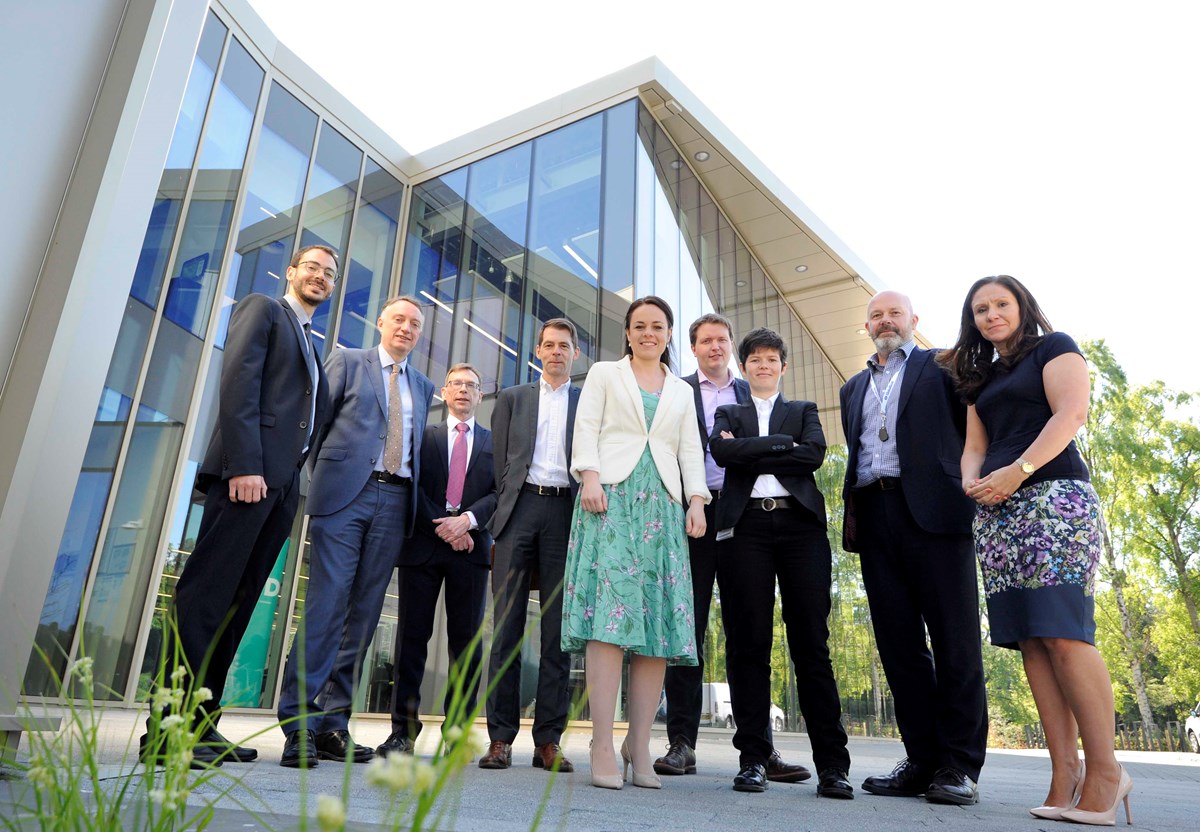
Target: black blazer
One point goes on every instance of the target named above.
(266, 397)
(931, 425)
(741, 394)
(793, 450)
(479, 495)
(514, 431)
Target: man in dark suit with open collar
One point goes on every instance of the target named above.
(713, 384)
(907, 517)
(451, 547)
(363, 505)
(532, 427)
(273, 403)
(775, 515)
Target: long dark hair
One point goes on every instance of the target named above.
(971, 360)
(652, 300)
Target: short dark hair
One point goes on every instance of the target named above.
(300, 252)
(399, 298)
(969, 361)
(761, 339)
(651, 300)
(462, 365)
(559, 323)
(710, 318)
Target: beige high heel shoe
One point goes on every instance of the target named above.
(1109, 817)
(1048, 812)
(604, 781)
(645, 781)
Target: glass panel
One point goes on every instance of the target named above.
(267, 229)
(564, 234)
(127, 552)
(617, 253)
(367, 277)
(330, 208)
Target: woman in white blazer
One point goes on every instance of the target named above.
(628, 583)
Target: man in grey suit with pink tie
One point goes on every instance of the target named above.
(363, 505)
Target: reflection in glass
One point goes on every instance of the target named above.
(368, 274)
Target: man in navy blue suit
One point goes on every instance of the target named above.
(451, 548)
(907, 517)
(274, 400)
(363, 505)
(713, 384)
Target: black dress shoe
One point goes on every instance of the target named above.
(833, 782)
(751, 778)
(780, 772)
(952, 786)
(679, 759)
(225, 749)
(300, 750)
(337, 745)
(398, 742)
(203, 756)
(907, 779)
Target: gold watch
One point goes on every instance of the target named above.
(1027, 467)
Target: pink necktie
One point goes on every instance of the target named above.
(458, 467)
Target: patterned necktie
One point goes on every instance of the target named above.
(393, 448)
(458, 467)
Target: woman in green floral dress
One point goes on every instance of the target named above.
(628, 581)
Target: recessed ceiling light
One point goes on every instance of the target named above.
(676, 164)
(739, 283)
(701, 156)
(802, 268)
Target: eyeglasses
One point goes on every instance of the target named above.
(459, 384)
(315, 268)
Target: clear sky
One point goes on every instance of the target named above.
(1057, 141)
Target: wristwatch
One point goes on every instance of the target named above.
(1027, 467)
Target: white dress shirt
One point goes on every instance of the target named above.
(549, 464)
(451, 434)
(406, 405)
(767, 485)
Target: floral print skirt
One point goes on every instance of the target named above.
(628, 577)
(1038, 552)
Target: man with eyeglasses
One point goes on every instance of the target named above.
(273, 403)
(451, 548)
(363, 505)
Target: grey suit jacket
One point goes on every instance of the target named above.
(514, 431)
(352, 441)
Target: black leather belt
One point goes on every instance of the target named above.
(716, 494)
(771, 503)
(881, 484)
(390, 479)
(547, 490)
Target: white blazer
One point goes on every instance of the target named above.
(610, 431)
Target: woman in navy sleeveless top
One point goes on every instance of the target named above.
(1037, 532)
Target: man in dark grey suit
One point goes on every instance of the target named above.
(451, 548)
(907, 516)
(531, 432)
(363, 506)
(274, 400)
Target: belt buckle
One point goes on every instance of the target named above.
(544, 491)
(768, 503)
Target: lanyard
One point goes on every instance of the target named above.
(885, 397)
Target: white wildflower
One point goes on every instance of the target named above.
(331, 813)
(452, 735)
(82, 669)
(203, 695)
(160, 699)
(423, 776)
(171, 721)
(178, 673)
(394, 772)
(158, 796)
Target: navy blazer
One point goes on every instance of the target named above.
(479, 495)
(353, 440)
(514, 431)
(792, 451)
(931, 426)
(741, 394)
(266, 397)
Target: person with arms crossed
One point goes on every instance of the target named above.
(274, 399)
(451, 548)
(907, 517)
(713, 384)
(775, 515)
(532, 429)
(363, 505)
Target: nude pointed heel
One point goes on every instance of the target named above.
(644, 781)
(605, 781)
(1048, 812)
(1109, 817)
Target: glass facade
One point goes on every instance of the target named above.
(575, 222)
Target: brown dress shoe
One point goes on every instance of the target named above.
(780, 772)
(550, 756)
(499, 755)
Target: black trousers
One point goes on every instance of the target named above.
(918, 582)
(535, 536)
(236, 548)
(466, 597)
(791, 545)
(683, 683)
